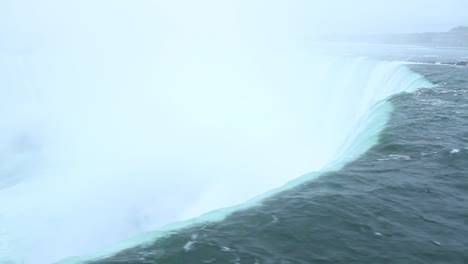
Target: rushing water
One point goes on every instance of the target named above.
(87, 172)
(403, 201)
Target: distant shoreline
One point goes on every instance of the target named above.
(454, 38)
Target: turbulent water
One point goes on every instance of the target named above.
(88, 172)
(403, 201)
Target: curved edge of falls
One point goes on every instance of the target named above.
(390, 77)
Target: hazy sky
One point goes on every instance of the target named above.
(335, 16)
(395, 16)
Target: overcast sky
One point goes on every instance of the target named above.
(395, 16)
(334, 16)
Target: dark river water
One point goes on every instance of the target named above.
(403, 201)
